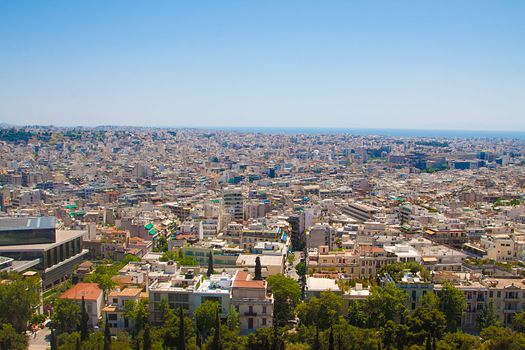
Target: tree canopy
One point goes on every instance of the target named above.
(287, 294)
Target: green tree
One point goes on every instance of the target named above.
(453, 304)
(104, 280)
(500, 338)
(181, 337)
(487, 316)
(84, 319)
(276, 341)
(10, 339)
(461, 341)
(427, 322)
(297, 346)
(107, 335)
(300, 268)
(69, 341)
(331, 339)
(317, 340)
(129, 258)
(261, 339)
(397, 270)
(94, 342)
(216, 342)
(287, 294)
(138, 313)
(355, 314)
(169, 330)
(209, 272)
(258, 269)
(205, 317)
(233, 319)
(66, 315)
(146, 342)
(54, 340)
(384, 304)
(18, 298)
(518, 322)
(389, 335)
(322, 312)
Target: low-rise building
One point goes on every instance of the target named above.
(93, 298)
(316, 285)
(252, 301)
(117, 306)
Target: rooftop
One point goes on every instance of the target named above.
(127, 292)
(243, 279)
(24, 223)
(90, 291)
(317, 284)
(61, 237)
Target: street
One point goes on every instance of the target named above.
(41, 341)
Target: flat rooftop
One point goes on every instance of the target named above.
(315, 284)
(27, 223)
(61, 237)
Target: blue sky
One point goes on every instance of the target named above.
(381, 64)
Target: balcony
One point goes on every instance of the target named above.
(250, 313)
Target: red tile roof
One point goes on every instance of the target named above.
(243, 279)
(90, 291)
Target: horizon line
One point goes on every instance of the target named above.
(223, 127)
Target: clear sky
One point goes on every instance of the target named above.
(439, 64)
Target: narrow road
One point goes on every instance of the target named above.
(41, 341)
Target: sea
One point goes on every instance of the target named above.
(479, 134)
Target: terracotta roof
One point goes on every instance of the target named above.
(121, 279)
(128, 292)
(243, 279)
(90, 291)
(109, 308)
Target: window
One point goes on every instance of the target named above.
(115, 301)
(250, 323)
(156, 297)
(250, 309)
(264, 310)
(264, 322)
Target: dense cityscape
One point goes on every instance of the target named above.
(182, 238)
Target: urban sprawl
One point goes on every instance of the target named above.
(151, 238)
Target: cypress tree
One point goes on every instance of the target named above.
(217, 343)
(182, 334)
(317, 342)
(258, 269)
(331, 339)
(275, 345)
(147, 338)
(107, 335)
(54, 340)
(84, 319)
(428, 345)
(198, 339)
(210, 264)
